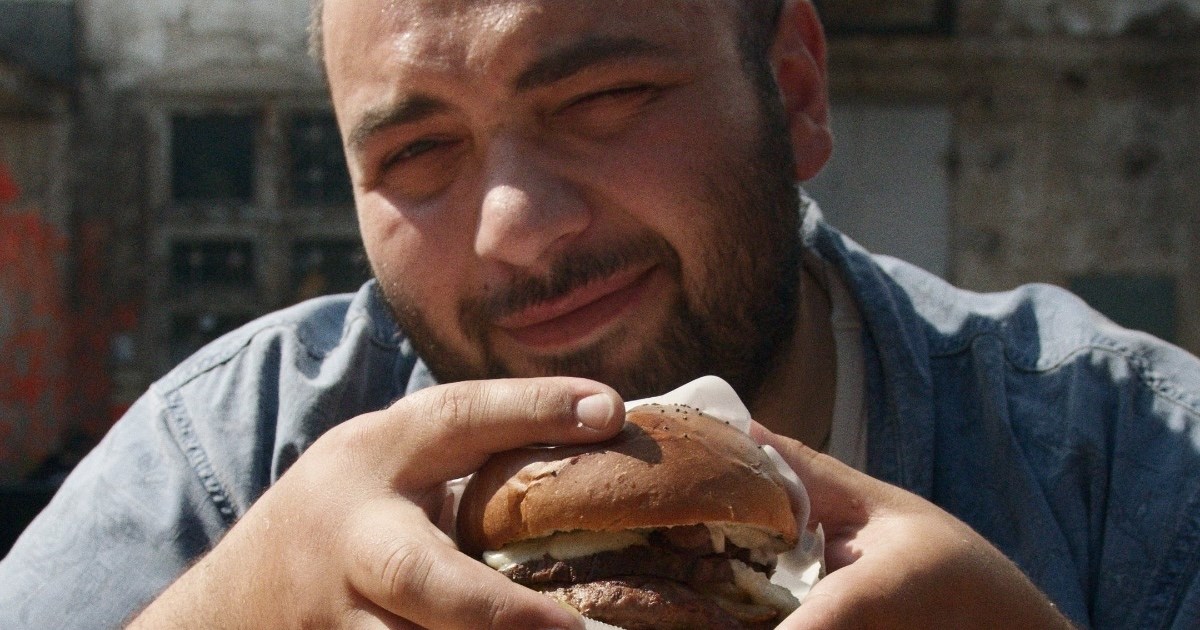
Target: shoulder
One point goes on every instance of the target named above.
(315, 329)
(248, 404)
(1043, 328)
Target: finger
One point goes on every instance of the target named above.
(414, 572)
(839, 494)
(829, 606)
(368, 616)
(448, 431)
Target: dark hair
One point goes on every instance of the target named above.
(758, 18)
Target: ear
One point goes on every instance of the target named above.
(798, 58)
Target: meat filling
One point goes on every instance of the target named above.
(683, 554)
(650, 604)
(678, 581)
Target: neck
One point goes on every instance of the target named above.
(797, 397)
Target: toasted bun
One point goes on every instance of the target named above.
(669, 466)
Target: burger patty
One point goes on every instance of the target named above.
(647, 561)
(644, 603)
(683, 554)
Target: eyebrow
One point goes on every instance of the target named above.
(407, 111)
(581, 55)
(559, 65)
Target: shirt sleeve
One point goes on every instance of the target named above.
(129, 519)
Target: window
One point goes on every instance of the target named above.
(318, 174)
(190, 331)
(212, 157)
(253, 211)
(212, 264)
(327, 266)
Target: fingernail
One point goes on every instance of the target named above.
(595, 411)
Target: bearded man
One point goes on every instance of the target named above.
(568, 203)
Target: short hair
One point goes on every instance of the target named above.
(758, 17)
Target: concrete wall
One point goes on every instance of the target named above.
(887, 184)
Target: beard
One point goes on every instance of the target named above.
(734, 322)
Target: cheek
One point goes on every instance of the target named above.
(415, 262)
(667, 181)
(663, 173)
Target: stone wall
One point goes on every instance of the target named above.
(1075, 141)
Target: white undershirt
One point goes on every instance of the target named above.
(848, 430)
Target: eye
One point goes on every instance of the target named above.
(603, 113)
(621, 93)
(416, 149)
(421, 167)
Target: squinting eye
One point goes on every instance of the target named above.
(414, 150)
(418, 149)
(628, 91)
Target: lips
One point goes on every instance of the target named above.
(580, 315)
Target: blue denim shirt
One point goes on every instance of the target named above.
(1071, 444)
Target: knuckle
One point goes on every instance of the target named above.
(346, 437)
(506, 612)
(405, 570)
(349, 447)
(538, 401)
(452, 406)
(544, 404)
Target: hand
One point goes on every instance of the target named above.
(895, 560)
(345, 539)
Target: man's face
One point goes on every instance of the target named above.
(569, 186)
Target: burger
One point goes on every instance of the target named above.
(674, 523)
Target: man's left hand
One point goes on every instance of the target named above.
(895, 560)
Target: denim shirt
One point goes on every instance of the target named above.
(1071, 444)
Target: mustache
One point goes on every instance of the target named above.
(575, 270)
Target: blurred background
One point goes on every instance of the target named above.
(171, 169)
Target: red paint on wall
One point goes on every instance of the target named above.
(8, 188)
(96, 324)
(34, 381)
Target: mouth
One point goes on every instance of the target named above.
(582, 315)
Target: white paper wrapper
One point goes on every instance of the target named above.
(797, 570)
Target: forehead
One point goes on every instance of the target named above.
(384, 37)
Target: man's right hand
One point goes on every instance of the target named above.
(346, 538)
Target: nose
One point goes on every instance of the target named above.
(530, 210)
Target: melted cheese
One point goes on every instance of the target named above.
(563, 546)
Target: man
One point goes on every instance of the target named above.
(597, 197)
